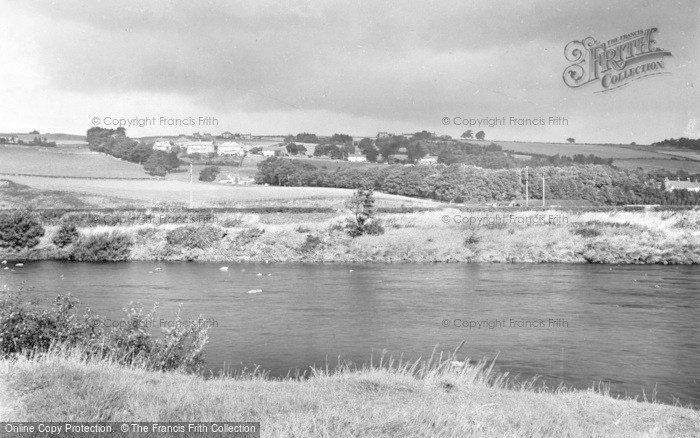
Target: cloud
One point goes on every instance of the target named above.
(404, 61)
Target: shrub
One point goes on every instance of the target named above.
(20, 229)
(472, 239)
(209, 173)
(67, 234)
(310, 243)
(200, 237)
(26, 328)
(302, 229)
(248, 236)
(104, 247)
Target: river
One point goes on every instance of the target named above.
(636, 328)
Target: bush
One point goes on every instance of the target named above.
(200, 237)
(105, 247)
(66, 235)
(248, 236)
(20, 229)
(310, 243)
(26, 328)
(209, 173)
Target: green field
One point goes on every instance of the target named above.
(151, 192)
(655, 164)
(571, 149)
(65, 161)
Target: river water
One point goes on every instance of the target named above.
(636, 328)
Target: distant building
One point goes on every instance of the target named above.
(384, 135)
(693, 186)
(181, 141)
(271, 151)
(196, 136)
(357, 158)
(162, 144)
(227, 135)
(428, 160)
(206, 136)
(199, 147)
(230, 148)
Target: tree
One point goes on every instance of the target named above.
(468, 134)
(480, 135)
(159, 163)
(209, 173)
(365, 143)
(571, 140)
(371, 153)
(364, 222)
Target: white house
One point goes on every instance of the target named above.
(428, 160)
(357, 158)
(384, 135)
(181, 141)
(162, 145)
(271, 151)
(230, 148)
(691, 186)
(199, 147)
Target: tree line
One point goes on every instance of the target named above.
(114, 142)
(598, 184)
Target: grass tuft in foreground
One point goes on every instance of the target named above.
(436, 397)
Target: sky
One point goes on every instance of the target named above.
(355, 67)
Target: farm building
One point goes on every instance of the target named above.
(230, 148)
(428, 160)
(162, 144)
(271, 151)
(199, 147)
(693, 186)
(357, 158)
(181, 141)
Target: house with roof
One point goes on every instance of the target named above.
(227, 135)
(199, 147)
(181, 141)
(384, 135)
(357, 158)
(692, 186)
(428, 160)
(271, 151)
(162, 144)
(230, 148)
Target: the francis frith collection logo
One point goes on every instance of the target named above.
(616, 63)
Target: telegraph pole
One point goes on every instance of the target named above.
(190, 184)
(527, 184)
(542, 190)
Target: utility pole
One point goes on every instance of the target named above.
(190, 184)
(527, 184)
(542, 190)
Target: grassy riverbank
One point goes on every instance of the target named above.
(438, 398)
(666, 237)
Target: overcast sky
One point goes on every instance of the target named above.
(356, 67)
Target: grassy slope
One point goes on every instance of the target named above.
(378, 402)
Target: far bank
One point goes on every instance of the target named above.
(445, 236)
